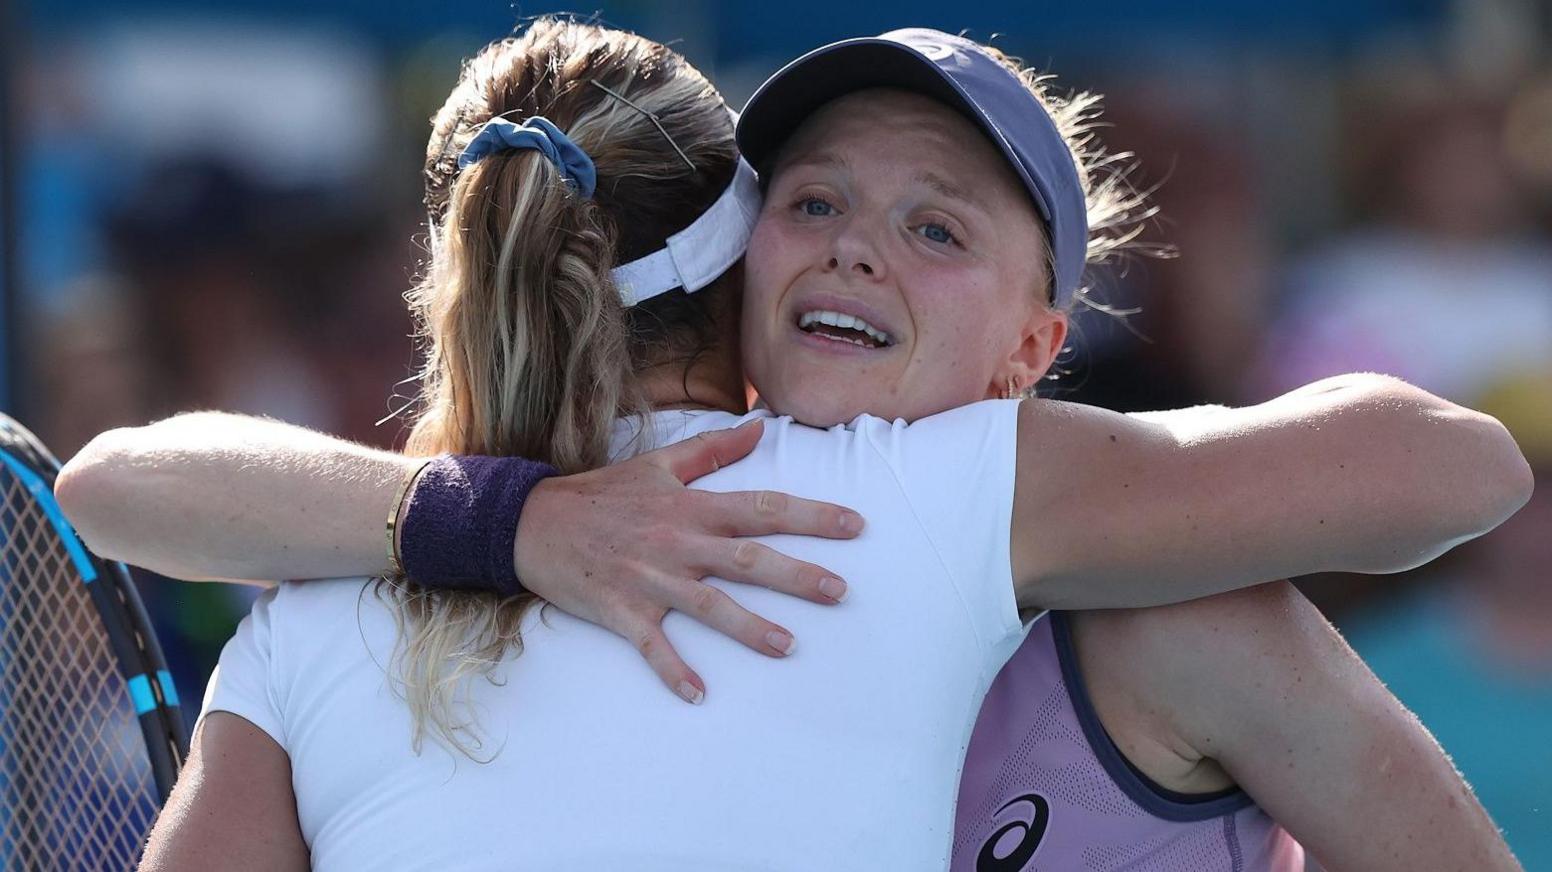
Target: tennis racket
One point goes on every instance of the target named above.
(91, 736)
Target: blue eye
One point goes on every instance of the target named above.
(937, 233)
(815, 207)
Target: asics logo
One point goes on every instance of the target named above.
(1032, 831)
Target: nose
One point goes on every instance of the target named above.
(861, 266)
(854, 252)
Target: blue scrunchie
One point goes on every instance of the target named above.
(500, 134)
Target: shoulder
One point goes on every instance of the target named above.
(966, 438)
(311, 612)
(321, 594)
(637, 434)
(1233, 613)
(972, 418)
(1206, 669)
(1167, 651)
(1175, 684)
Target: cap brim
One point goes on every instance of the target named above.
(799, 89)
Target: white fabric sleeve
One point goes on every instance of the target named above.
(957, 470)
(243, 680)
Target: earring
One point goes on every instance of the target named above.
(1012, 389)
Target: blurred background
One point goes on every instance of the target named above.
(215, 205)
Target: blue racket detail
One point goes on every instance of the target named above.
(141, 695)
(169, 693)
(44, 494)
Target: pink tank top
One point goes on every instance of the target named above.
(1045, 790)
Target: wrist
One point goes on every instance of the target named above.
(396, 514)
(527, 544)
(460, 527)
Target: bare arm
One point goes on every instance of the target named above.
(213, 496)
(1257, 682)
(208, 495)
(232, 808)
(1358, 473)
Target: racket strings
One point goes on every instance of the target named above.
(77, 788)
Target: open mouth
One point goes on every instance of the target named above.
(843, 328)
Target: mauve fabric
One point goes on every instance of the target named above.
(1044, 789)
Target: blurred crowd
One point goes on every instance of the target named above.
(224, 215)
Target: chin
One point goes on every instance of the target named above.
(816, 408)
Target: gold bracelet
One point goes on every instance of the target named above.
(395, 564)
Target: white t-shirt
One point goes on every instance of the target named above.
(844, 755)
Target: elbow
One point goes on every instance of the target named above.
(1507, 478)
(91, 489)
(1479, 477)
(1454, 473)
(1489, 477)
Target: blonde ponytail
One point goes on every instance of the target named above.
(525, 332)
(528, 350)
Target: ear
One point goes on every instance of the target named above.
(1041, 338)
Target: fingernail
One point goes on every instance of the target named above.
(851, 522)
(782, 642)
(692, 694)
(833, 588)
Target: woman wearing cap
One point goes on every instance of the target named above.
(843, 743)
(1112, 738)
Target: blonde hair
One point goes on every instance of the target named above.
(528, 350)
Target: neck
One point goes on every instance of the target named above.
(713, 380)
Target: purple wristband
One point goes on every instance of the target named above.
(461, 524)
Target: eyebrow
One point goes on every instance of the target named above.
(823, 160)
(945, 187)
(939, 184)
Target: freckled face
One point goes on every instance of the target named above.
(898, 267)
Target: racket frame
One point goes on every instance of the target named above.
(141, 665)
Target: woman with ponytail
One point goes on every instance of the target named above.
(530, 350)
(848, 757)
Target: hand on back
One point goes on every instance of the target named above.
(622, 545)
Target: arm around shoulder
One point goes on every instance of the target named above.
(1360, 473)
(209, 495)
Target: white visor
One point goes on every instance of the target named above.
(695, 256)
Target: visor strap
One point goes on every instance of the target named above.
(695, 256)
